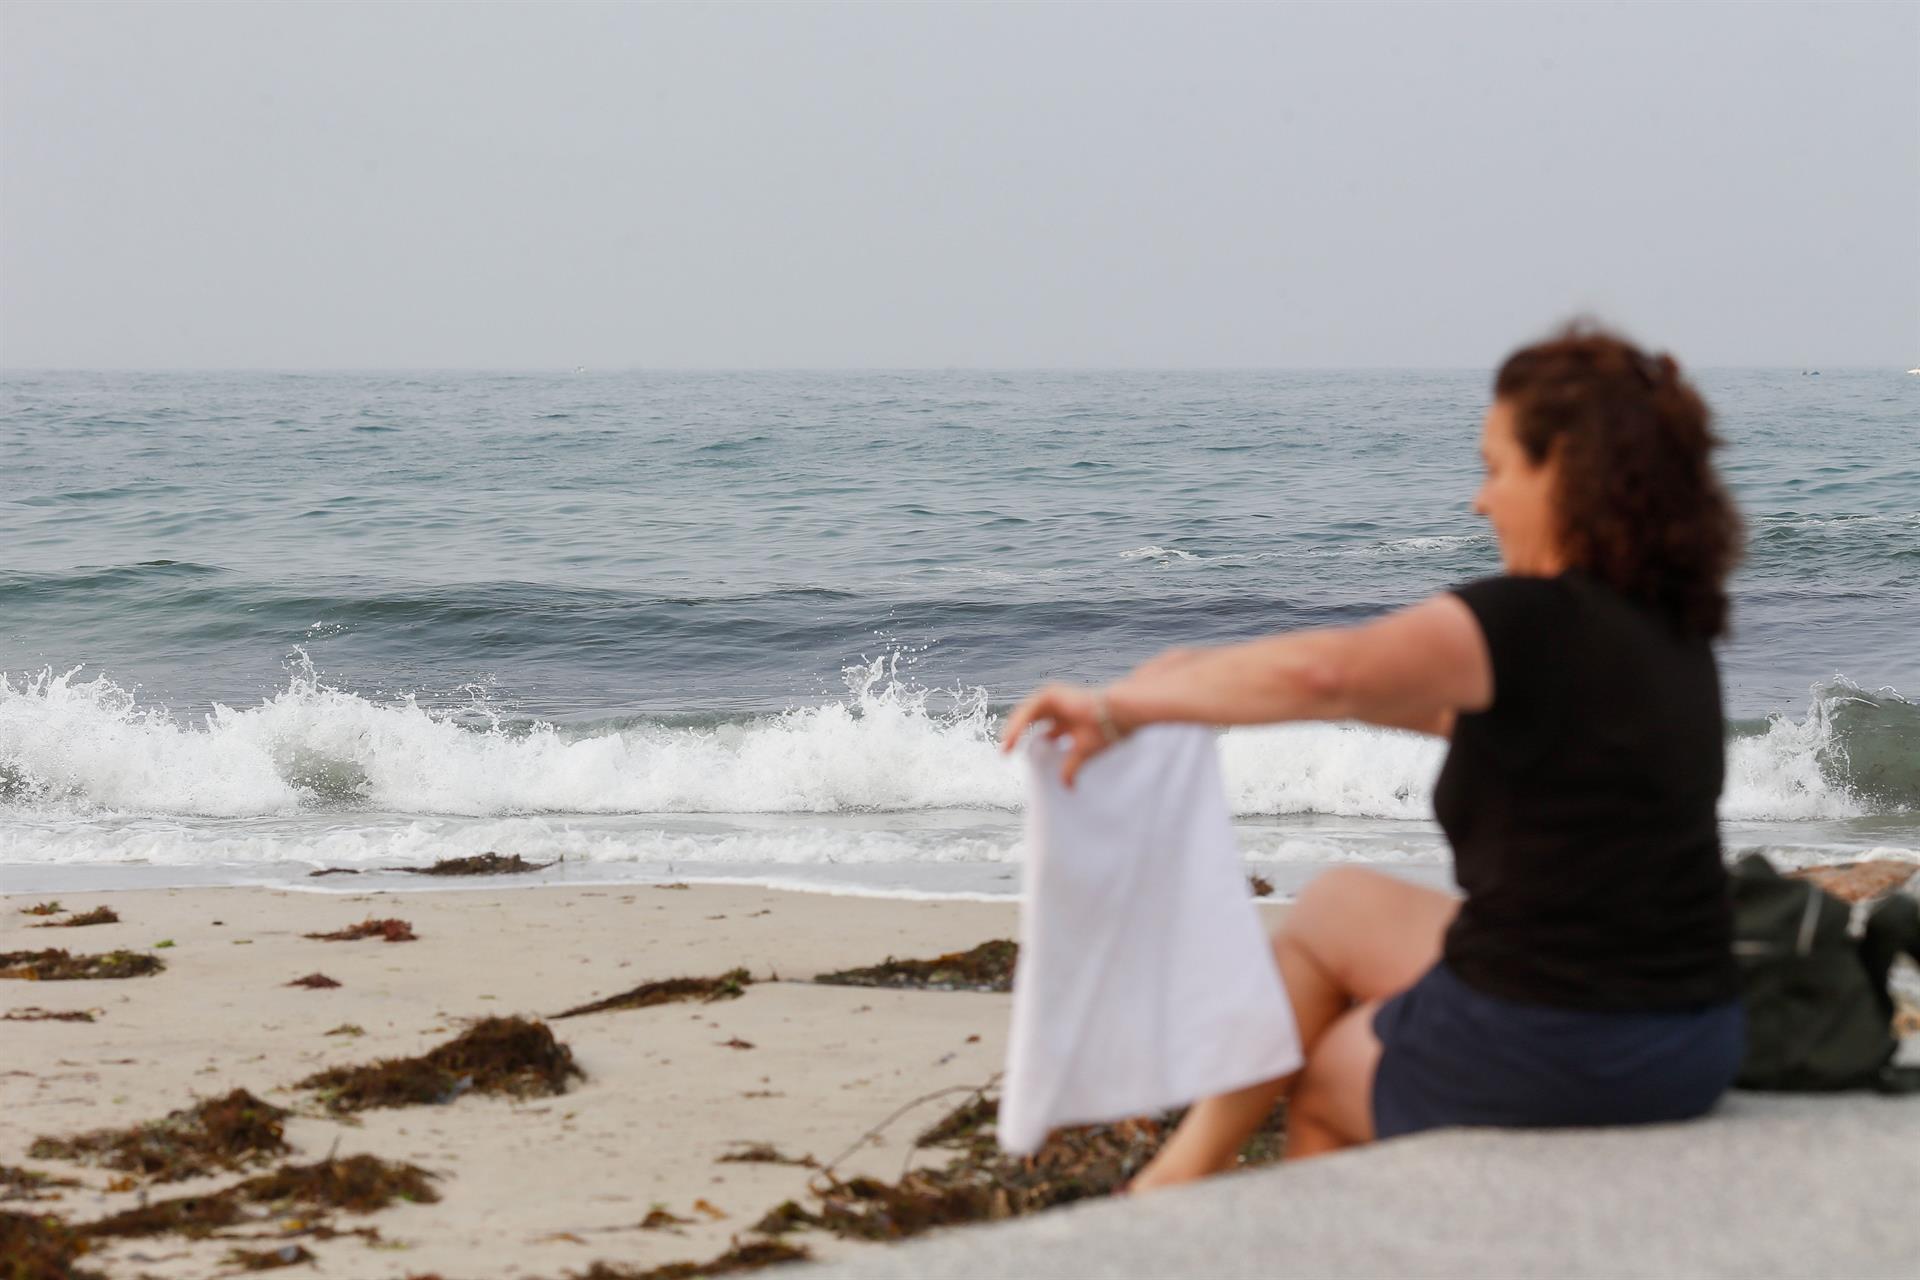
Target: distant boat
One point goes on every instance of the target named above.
(1809, 373)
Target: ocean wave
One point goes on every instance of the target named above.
(1391, 547)
(1437, 542)
(1794, 521)
(83, 747)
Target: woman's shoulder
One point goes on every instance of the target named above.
(1508, 599)
(1571, 591)
(1576, 617)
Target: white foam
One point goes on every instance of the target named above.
(1777, 776)
(1842, 522)
(394, 841)
(1157, 553)
(1343, 770)
(1441, 542)
(86, 746)
(75, 748)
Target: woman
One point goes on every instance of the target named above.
(1587, 976)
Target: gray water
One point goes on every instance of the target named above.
(763, 625)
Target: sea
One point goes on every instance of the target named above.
(764, 627)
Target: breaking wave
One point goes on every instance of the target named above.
(79, 747)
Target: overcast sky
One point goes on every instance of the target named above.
(362, 185)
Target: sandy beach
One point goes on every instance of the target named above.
(538, 1187)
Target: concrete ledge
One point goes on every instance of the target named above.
(1769, 1185)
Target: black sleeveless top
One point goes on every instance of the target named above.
(1581, 805)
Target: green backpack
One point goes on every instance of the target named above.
(1819, 1015)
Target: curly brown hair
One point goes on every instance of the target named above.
(1638, 503)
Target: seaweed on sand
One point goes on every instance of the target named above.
(766, 1153)
(37, 1014)
(58, 966)
(42, 909)
(287, 1255)
(34, 1246)
(728, 986)
(750, 1256)
(99, 915)
(971, 1121)
(981, 1183)
(988, 967)
(29, 1184)
(218, 1134)
(495, 1055)
(1260, 886)
(385, 930)
(315, 982)
(191, 1216)
(483, 864)
(356, 1184)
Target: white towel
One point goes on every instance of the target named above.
(1145, 978)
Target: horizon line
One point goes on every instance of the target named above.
(11, 370)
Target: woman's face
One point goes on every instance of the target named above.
(1516, 497)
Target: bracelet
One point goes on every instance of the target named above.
(1103, 715)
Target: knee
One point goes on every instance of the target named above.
(1331, 898)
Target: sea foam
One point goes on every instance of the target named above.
(74, 747)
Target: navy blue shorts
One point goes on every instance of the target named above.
(1452, 1055)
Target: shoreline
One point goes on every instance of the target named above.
(405, 885)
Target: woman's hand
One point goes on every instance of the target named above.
(1070, 712)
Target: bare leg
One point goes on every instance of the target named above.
(1332, 1102)
(1354, 936)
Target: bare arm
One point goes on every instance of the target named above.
(1415, 669)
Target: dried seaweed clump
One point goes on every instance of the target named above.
(973, 1121)
(988, 967)
(982, 1183)
(99, 915)
(32, 1246)
(495, 1055)
(1260, 886)
(29, 1184)
(42, 909)
(58, 966)
(219, 1134)
(741, 1257)
(385, 930)
(766, 1153)
(37, 1014)
(315, 982)
(287, 1255)
(357, 1184)
(728, 986)
(484, 864)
